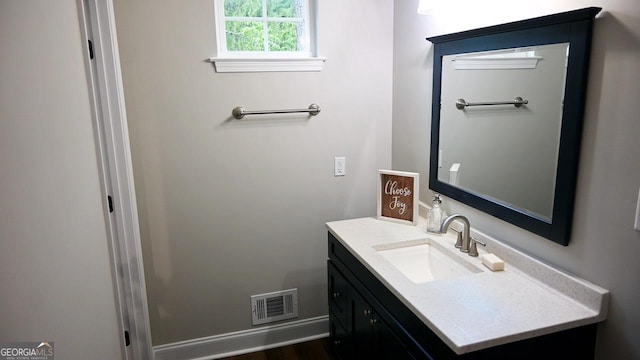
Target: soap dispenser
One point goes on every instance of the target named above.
(435, 215)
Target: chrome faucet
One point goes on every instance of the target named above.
(464, 239)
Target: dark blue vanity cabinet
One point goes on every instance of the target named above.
(367, 321)
(358, 330)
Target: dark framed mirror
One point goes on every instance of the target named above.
(507, 110)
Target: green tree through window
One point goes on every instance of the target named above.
(265, 25)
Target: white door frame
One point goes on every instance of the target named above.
(114, 158)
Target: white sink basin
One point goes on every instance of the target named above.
(422, 262)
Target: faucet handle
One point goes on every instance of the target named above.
(473, 248)
(459, 241)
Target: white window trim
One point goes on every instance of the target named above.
(268, 65)
(227, 61)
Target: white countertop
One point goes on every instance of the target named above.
(477, 311)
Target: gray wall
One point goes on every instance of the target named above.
(604, 247)
(233, 208)
(55, 276)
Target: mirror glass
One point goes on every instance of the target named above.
(489, 145)
(506, 120)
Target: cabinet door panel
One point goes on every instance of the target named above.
(373, 338)
(388, 345)
(338, 288)
(340, 339)
(363, 340)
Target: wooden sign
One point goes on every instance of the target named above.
(398, 196)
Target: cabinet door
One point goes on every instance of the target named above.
(340, 339)
(363, 340)
(338, 287)
(372, 337)
(388, 345)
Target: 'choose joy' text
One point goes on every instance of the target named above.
(391, 188)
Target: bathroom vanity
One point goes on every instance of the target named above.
(382, 308)
(398, 292)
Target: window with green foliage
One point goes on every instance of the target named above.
(253, 27)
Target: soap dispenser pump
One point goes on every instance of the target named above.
(435, 215)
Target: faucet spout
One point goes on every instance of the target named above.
(466, 237)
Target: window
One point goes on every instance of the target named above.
(271, 26)
(265, 35)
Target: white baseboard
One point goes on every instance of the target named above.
(246, 341)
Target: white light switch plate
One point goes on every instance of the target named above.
(339, 166)
(637, 224)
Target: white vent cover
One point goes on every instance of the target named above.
(275, 306)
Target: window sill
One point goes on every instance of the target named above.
(267, 65)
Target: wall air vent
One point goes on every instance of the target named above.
(275, 306)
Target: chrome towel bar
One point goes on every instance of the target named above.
(517, 102)
(239, 112)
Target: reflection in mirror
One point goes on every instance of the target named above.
(506, 152)
(507, 109)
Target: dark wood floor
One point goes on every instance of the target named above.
(310, 350)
